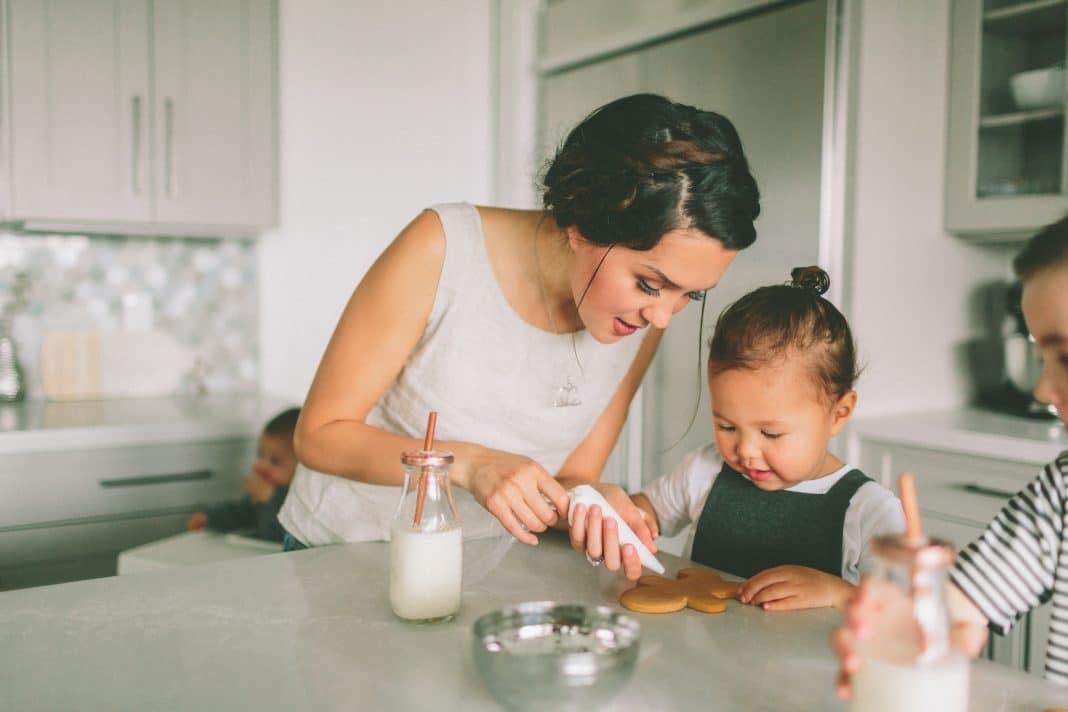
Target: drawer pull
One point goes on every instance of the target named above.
(984, 491)
(158, 479)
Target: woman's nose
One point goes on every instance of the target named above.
(659, 313)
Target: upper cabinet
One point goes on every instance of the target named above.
(144, 115)
(1006, 161)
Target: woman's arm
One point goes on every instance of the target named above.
(586, 462)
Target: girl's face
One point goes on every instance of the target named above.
(635, 289)
(773, 424)
(275, 460)
(1045, 308)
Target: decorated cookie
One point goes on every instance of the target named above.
(699, 589)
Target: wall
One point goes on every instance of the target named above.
(193, 303)
(385, 109)
(913, 293)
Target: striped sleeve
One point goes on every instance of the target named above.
(1012, 567)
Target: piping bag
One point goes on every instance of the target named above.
(584, 494)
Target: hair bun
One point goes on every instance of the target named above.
(810, 278)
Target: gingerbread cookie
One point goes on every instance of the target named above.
(699, 589)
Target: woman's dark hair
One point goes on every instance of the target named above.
(284, 424)
(642, 166)
(764, 324)
(1045, 249)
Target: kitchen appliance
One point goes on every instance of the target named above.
(1021, 364)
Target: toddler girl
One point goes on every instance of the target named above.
(768, 500)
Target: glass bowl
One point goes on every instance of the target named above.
(555, 656)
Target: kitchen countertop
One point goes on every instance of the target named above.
(312, 630)
(50, 425)
(971, 431)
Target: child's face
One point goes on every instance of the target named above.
(773, 426)
(275, 460)
(1045, 307)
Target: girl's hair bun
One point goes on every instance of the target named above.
(812, 279)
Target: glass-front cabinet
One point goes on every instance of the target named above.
(1006, 160)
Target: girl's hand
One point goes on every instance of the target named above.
(598, 537)
(196, 521)
(515, 489)
(259, 490)
(880, 615)
(790, 588)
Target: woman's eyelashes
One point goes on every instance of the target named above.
(648, 288)
(643, 284)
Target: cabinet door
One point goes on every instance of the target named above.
(215, 111)
(80, 109)
(1005, 164)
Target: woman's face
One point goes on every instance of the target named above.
(1045, 307)
(635, 289)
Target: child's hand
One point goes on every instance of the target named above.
(196, 521)
(790, 588)
(259, 489)
(598, 537)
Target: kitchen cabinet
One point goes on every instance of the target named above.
(66, 513)
(1006, 170)
(959, 493)
(154, 116)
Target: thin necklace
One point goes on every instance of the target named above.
(567, 394)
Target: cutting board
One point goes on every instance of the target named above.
(82, 364)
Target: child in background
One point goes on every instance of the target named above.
(1020, 561)
(768, 501)
(276, 462)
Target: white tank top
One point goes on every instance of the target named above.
(492, 378)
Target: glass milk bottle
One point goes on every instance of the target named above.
(426, 544)
(902, 670)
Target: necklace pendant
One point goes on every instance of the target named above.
(567, 395)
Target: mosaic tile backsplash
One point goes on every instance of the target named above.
(202, 293)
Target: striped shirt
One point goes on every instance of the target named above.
(1021, 561)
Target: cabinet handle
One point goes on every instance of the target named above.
(168, 120)
(158, 479)
(136, 120)
(984, 491)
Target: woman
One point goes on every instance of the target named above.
(523, 329)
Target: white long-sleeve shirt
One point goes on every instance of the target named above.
(679, 497)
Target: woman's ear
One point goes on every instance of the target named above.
(574, 237)
(842, 410)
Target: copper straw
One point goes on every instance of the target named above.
(907, 487)
(428, 445)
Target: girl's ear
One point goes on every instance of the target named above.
(842, 410)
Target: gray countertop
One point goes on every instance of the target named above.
(972, 431)
(312, 630)
(50, 425)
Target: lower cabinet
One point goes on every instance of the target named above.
(78, 509)
(959, 494)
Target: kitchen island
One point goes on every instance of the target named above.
(313, 630)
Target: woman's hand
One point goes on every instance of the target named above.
(789, 588)
(598, 537)
(515, 489)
